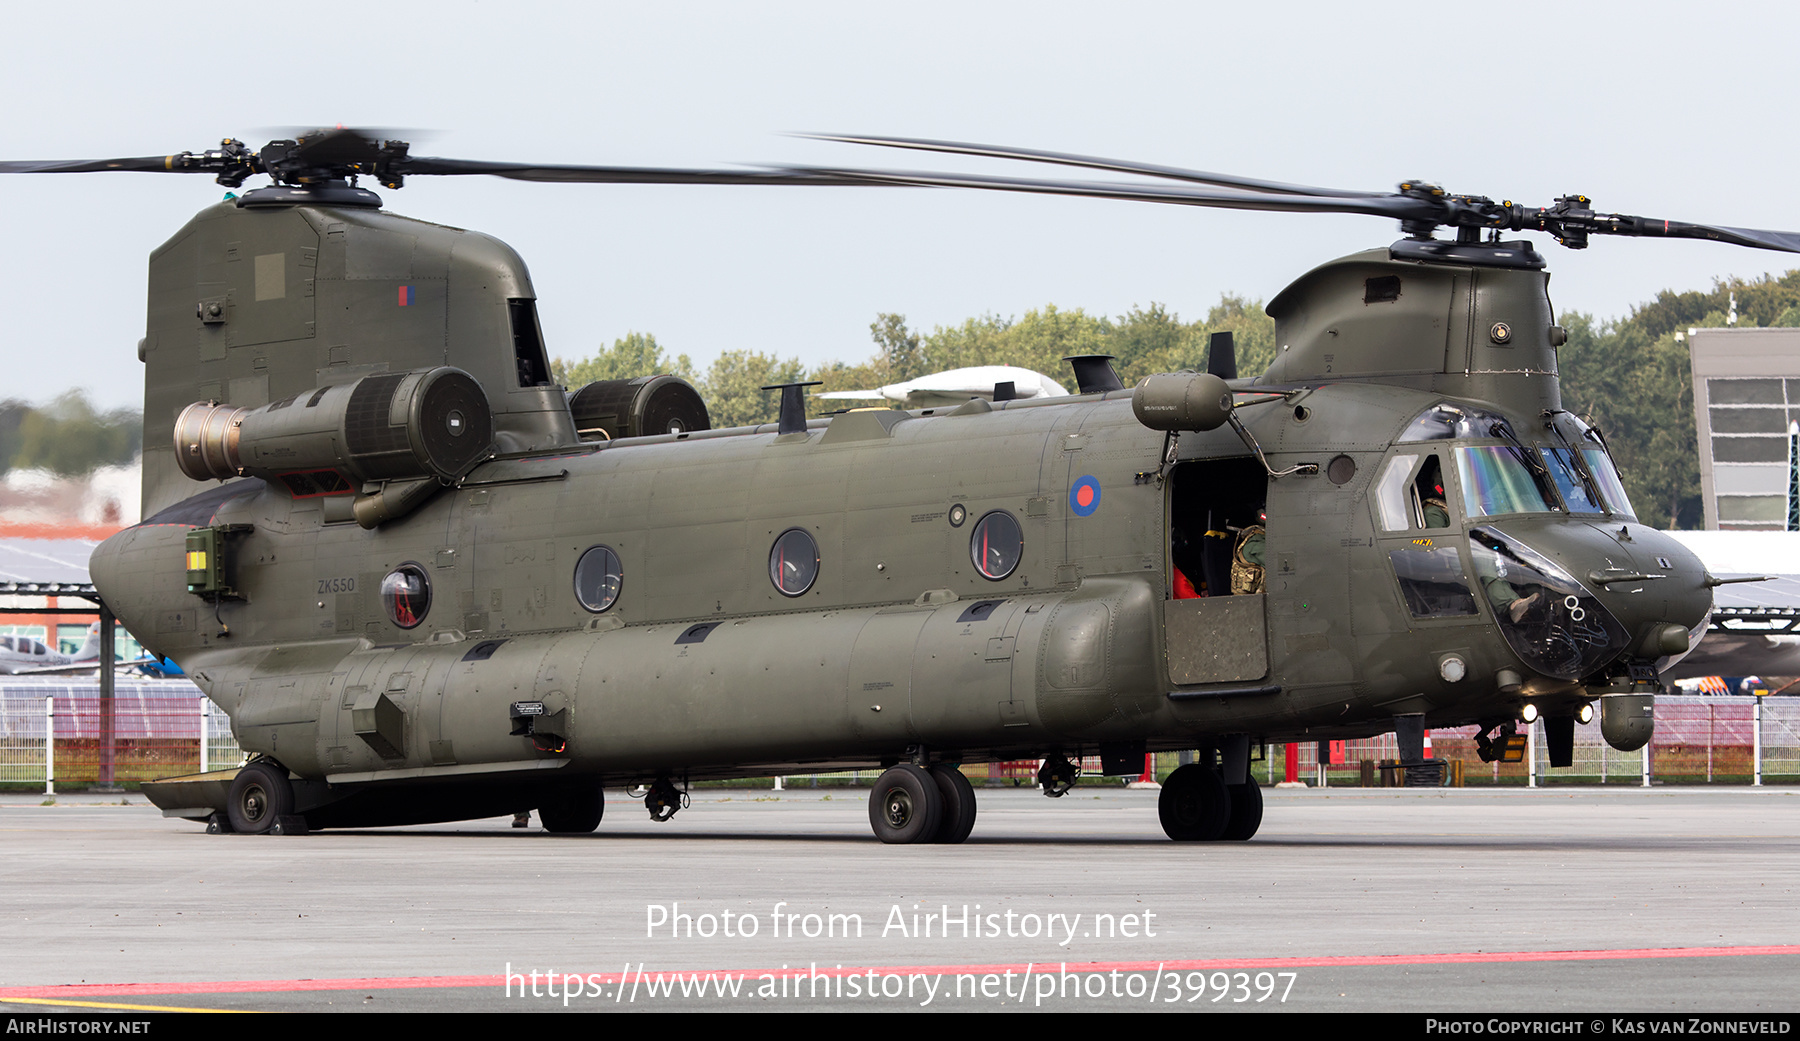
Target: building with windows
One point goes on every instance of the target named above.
(1746, 403)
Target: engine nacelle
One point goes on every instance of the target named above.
(428, 423)
(610, 409)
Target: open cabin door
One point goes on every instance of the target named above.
(1215, 627)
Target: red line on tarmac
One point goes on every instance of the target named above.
(81, 990)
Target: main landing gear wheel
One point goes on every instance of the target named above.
(574, 810)
(1246, 810)
(907, 805)
(959, 803)
(1195, 805)
(260, 795)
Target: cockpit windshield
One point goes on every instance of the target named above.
(1566, 473)
(1608, 478)
(1444, 422)
(1495, 481)
(1587, 441)
(1567, 468)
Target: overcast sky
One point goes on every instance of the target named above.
(1679, 111)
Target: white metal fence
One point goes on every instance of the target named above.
(157, 728)
(1698, 740)
(56, 733)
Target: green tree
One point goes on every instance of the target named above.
(837, 375)
(1253, 332)
(630, 356)
(900, 355)
(1150, 340)
(1634, 378)
(67, 437)
(732, 387)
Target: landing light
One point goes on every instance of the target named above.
(1529, 713)
(1585, 714)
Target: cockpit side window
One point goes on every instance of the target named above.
(1391, 502)
(1410, 494)
(1430, 507)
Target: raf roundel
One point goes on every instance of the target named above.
(1084, 496)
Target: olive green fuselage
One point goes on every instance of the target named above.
(901, 647)
(881, 654)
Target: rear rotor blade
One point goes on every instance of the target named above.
(1400, 207)
(1095, 163)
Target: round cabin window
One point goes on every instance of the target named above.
(794, 562)
(597, 578)
(406, 594)
(996, 545)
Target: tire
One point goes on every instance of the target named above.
(1194, 805)
(959, 804)
(574, 810)
(260, 794)
(1246, 811)
(906, 805)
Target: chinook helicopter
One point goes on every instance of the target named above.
(427, 584)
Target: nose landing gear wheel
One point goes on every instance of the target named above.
(959, 804)
(259, 796)
(906, 805)
(1194, 805)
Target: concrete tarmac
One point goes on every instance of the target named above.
(1580, 900)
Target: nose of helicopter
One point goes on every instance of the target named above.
(1580, 599)
(1655, 586)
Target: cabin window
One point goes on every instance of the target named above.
(794, 562)
(996, 545)
(406, 594)
(598, 575)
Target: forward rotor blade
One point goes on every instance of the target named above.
(1622, 224)
(428, 165)
(142, 164)
(1095, 163)
(1400, 207)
